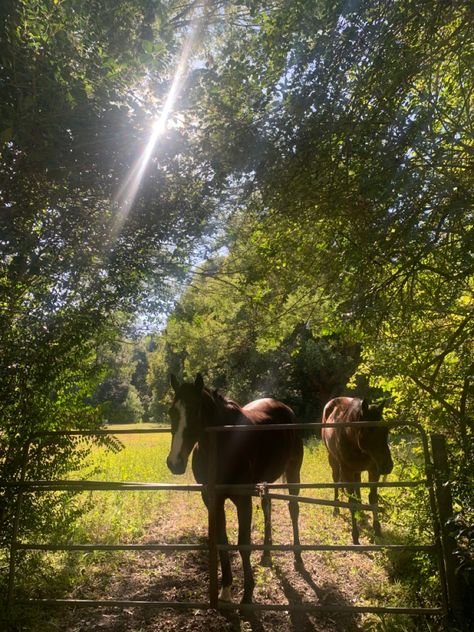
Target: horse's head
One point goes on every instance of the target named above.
(186, 422)
(374, 440)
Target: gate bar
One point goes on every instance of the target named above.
(445, 513)
(310, 607)
(82, 485)
(111, 547)
(321, 501)
(225, 547)
(298, 548)
(177, 605)
(315, 425)
(115, 603)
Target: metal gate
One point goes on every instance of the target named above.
(436, 478)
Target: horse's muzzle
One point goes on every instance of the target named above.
(177, 466)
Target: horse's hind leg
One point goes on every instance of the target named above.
(336, 477)
(266, 559)
(374, 500)
(244, 514)
(293, 476)
(354, 497)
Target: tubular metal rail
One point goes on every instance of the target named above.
(436, 475)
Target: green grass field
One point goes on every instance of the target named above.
(115, 516)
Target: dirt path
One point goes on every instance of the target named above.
(339, 579)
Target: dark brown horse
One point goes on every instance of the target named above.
(352, 449)
(242, 458)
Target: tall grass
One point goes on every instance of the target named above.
(123, 516)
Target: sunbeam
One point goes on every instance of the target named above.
(125, 197)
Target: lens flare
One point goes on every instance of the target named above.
(125, 197)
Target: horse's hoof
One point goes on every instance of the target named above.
(266, 560)
(225, 594)
(246, 599)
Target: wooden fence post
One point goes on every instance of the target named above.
(445, 512)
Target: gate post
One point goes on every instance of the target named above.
(445, 512)
(16, 527)
(212, 520)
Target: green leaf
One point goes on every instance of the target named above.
(147, 46)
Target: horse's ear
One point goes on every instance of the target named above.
(199, 382)
(377, 410)
(365, 409)
(174, 382)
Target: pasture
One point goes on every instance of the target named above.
(180, 517)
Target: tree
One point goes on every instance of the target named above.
(359, 179)
(121, 394)
(350, 126)
(216, 329)
(82, 240)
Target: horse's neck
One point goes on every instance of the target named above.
(219, 411)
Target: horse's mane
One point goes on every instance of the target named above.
(225, 401)
(226, 406)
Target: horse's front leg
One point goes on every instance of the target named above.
(293, 476)
(244, 514)
(374, 500)
(225, 592)
(226, 571)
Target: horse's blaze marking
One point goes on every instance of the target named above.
(178, 436)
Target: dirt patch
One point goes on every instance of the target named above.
(327, 578)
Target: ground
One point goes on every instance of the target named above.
(328, 578)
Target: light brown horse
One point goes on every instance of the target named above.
(242, 458)
(352, 450)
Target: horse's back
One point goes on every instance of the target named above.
(271, 451)
(342, 409)
(268, 411)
